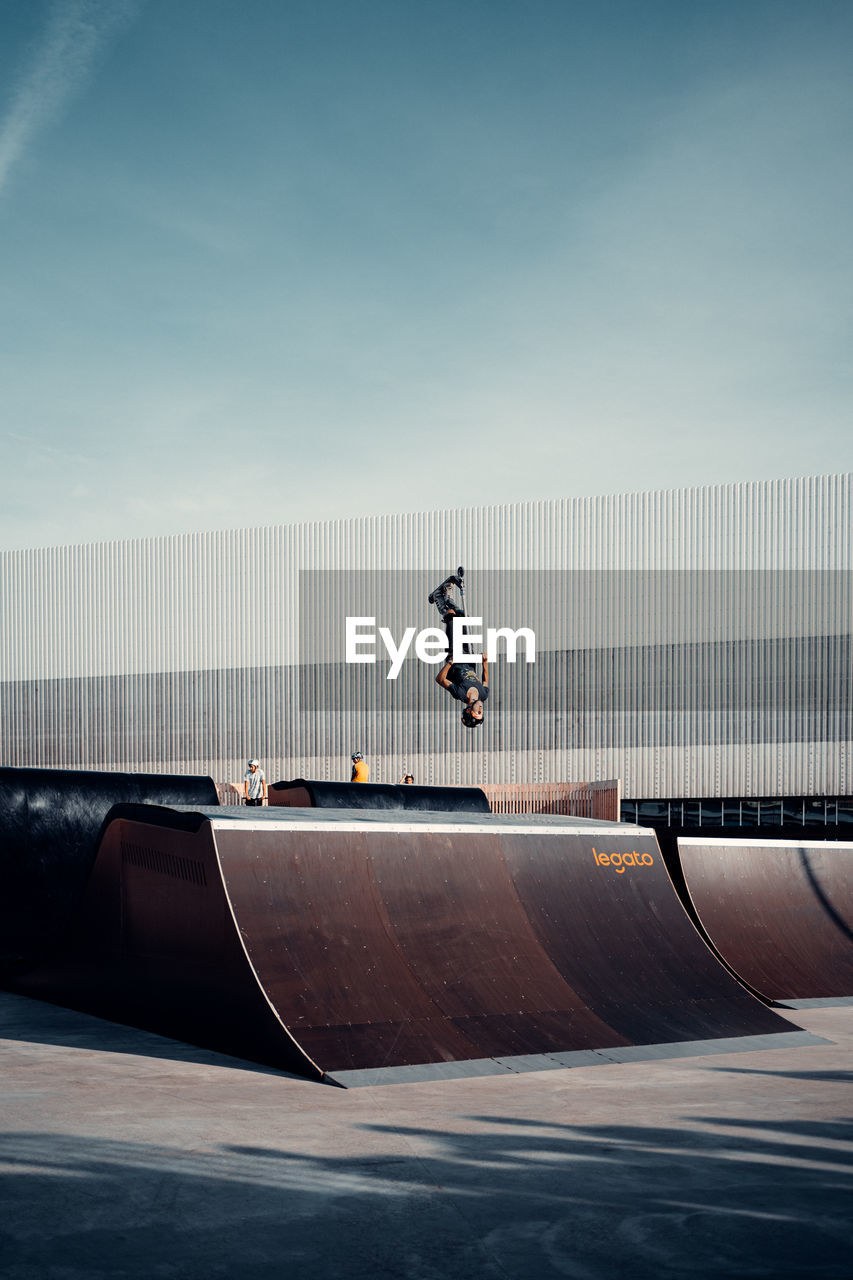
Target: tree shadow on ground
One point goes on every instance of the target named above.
(841, 1077)
(499, 1198)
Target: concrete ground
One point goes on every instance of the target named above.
(126, 1155)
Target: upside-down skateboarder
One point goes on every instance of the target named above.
(461, 679)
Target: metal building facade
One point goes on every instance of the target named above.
(694, 642)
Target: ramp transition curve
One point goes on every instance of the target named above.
(779, 912)
(337, 942)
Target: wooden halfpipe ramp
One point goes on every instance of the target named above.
(345, 941)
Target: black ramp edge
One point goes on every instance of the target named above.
(184, 819)
(50, 826)
(383, 795)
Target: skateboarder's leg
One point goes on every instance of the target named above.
(441, 595)
(444, 599)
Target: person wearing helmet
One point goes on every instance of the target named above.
(254, 784)
(360, 768)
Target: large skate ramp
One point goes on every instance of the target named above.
(306, 792)
(779, 912)
(50, 824)
(351, 944)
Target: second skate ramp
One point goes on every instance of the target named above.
(779, 912)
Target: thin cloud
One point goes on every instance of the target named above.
(75, 33)
(48, 452)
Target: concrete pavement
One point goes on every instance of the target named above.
(126, 1155)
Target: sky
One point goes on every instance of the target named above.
(268, 261)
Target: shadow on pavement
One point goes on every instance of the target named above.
(840, 1077)
(30, 1021)
(504, 1198)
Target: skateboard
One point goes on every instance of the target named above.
(456, 579)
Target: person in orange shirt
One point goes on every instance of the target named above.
(360, 768)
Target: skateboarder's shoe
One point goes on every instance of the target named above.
(452, 580)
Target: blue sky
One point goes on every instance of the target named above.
(275, 261)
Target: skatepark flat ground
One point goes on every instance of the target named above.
(123, 1154)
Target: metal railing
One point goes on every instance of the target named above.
(576, 799)
(230, 792)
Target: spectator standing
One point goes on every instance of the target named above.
(360, 768)
(254, 784)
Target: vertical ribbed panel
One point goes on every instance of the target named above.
(182, 652)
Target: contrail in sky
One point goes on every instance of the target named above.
(74, 34)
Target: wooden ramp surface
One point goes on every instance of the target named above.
(780, 912)
(352, 940)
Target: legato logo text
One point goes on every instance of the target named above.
(619, 861)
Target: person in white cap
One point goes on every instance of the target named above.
(254, 784)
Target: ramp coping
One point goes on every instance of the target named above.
(399, 821)
(805, 843)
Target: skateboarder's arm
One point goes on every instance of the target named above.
(441, 678)
(485, 670)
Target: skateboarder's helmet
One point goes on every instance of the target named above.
(356, 755)
(253, 764)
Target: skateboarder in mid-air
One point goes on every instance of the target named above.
(461, 679)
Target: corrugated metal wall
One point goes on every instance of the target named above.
(697, 642)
